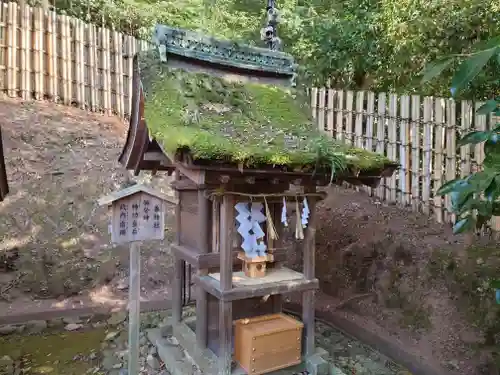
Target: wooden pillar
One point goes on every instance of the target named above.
(226, 282)
(178, 263)
(309, 266)
(177, 289)
(204, 245)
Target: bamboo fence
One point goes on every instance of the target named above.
(420, 132)
(46, 56)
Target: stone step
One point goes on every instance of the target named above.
(171, 354)
(336, 371)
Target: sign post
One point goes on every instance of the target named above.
(134, 309)
(137, 214)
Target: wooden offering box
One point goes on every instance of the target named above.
(267, 343)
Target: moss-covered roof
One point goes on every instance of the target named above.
(249, 124)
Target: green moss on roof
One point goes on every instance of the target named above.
(249, 124)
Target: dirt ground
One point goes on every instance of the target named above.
(60, 161)
(55, 246)
(381, 253)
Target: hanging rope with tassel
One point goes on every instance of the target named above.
(299, 231)
(271, 229)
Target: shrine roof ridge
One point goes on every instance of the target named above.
(195, 45)
(131, 190)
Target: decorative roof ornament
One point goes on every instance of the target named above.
(268, 34)
(187, 44)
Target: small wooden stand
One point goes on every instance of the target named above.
(255, 267)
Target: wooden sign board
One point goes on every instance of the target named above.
(137, 218)
(137, 214)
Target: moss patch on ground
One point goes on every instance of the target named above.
(53, 354)
(250, 124)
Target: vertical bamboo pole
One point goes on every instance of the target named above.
(370, 108)
(427, 150)
(314, 102)
(404, 153)
(348, 109)
(51, 41)
(69, 59)
(25, 51)
(358, 127)
(391, 193)
(106, 73)
(12, 49)
(93, 67)
(65, 60)
(465, 151)
(113, 72)
(80, 64)
(480, 121)
(439, 106)
(451, 152)
(4, 44)
(380, 147)
(480, 125)
(130, 53)
(495, 220)
(339, 126)
(415, 152)
(119, 74)
(330, 113)
(39, 53)
(358, 132)
(321, 109)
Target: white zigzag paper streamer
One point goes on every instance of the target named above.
(305, 213)
(249, 228)
(283, 214)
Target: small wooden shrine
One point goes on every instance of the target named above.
(4, 186)
(228, 120)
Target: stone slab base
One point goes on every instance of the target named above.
(176, 345)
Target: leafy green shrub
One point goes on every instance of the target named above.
(475, 197)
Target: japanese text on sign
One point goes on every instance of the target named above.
(137, 218)
(123, 219)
